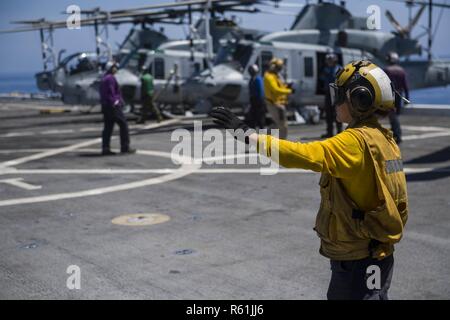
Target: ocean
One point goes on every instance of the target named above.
(25, 83)
(18, 82)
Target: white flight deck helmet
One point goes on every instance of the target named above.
(392, 57)
(253, 69)
(331, 56)
(111, 64)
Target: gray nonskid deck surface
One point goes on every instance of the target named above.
(233, 234)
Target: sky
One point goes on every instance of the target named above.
(21, 52)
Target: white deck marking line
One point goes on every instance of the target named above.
(48, 132)
(19, 182)
(426, 136)
(90, 129)
(158, 125)
(284, 170)
(139, 171)
(167, 171)
(85, 171)
(424, 170)
(9, 151)
(57, 131)
(252, 170)
(49, 153)
(98, 191)
(16, 134)
(32, 107)
(174, 121)
(56, 151)
(164, 123)
(424, 128)
(185, 169)
(14, 171)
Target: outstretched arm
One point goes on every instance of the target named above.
(338, 156)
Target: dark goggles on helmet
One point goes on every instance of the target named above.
(337, 94)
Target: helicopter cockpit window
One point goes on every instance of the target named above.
(150, 68)
(197, 68)
(159, 68)
(132, 61)
(237, 55)
(309, 67)
(81, 63)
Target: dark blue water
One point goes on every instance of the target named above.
(18, 82)
(431, 96)
(25, 83)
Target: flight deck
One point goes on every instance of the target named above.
(143, 227)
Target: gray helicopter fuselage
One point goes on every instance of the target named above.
(376, 42)
(170, 68)
(227, 82)
(76, 77)
(427, 74)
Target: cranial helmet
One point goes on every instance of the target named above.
(392, 57)
(277, 62)
(331, 56)
(111, 64)
(253, 69)
(366, 86)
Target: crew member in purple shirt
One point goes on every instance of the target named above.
(112, 104)
(398, 77)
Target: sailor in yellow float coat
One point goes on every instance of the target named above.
(276, 94)
(275, 89)
(364, 204)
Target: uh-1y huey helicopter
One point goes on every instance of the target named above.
(69, 76)
(76, 77)
(319, 29)
(173, 62)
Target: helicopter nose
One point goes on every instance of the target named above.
(227, 73)
(214, 80)
(126, 77)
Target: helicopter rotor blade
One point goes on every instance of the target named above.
(279, 4)
(182, 4)
(396, 24)
(30, 22)
(279, 13)
(171, 11)
(416, 19)
(419, 2)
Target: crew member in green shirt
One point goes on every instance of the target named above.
(147, 90)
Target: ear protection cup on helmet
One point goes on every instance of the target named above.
(361, 98)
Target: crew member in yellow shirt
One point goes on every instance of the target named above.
(277, 92)
(364, 204)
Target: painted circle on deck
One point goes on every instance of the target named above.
(140, 219)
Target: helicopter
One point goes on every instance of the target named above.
(303, 52)
(226, 83)
(75, 76)
(180, 59)
(173, 62)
